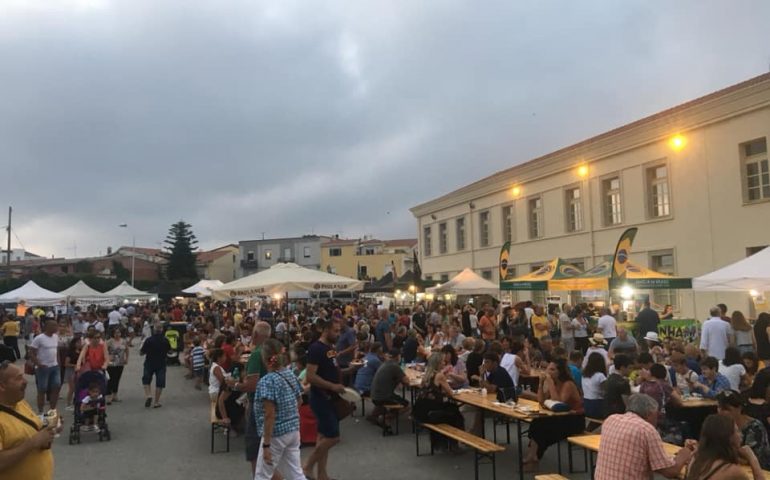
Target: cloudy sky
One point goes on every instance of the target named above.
(291, 117)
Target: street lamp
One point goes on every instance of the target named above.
(516, 191)
(677, 142)
(133, 251)
(413, 290)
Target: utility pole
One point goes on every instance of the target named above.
(8, 253)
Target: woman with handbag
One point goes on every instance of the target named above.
(276, 410)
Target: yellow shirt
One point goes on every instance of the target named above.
(38, 464)
(538, 320)
(10, 328)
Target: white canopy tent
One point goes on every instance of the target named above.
(124, 291)
(203, 288)
(285, 277)
(82, 294)
(33, 295)
(751, 273)
(466, 282)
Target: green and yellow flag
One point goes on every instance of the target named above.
(623, 253)
(504, 254)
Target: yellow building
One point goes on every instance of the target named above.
(694, 179)
(367, 258)
(218, 264)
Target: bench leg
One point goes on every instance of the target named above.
(476, 464)
(227, 432)
(494, 468)
(213, 427)
(521, 450)
(558, 455)
(416, 437)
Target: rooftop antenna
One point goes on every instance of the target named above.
(8, 253)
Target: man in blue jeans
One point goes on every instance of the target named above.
(43, 353)
(155, 348)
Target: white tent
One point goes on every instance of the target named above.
(203, 288)
(127, 292)
(285, 277)
(466, 282)
(751, 273)
(82, 294)
(33, 295)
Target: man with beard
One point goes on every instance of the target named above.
(324, 378)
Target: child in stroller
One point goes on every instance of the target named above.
(90, 409)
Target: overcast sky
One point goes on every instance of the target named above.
(293, 117)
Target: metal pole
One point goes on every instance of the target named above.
(8, 257)
(133, 257)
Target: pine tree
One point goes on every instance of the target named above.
(180, 244)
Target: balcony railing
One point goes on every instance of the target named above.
(249, 264)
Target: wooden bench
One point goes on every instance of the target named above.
(483, 449)
(217, 426)
(550, 476)
(392, 411)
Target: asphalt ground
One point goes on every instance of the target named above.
(173, 442)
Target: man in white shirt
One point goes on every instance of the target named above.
(716, 335)
(44, 354)
(608, 325)
(79, 325)
(113, 320)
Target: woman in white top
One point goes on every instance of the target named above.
(732, 368)
(218, 382)
(594, 376)
(580, 326)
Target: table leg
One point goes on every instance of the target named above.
(521, 451)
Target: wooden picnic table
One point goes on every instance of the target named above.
(523, 411)
(697, 402)
(591, 443)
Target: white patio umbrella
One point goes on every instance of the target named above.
(751, 273)
(286, 277)
(466, 282)
(33, 295)
(203, 288)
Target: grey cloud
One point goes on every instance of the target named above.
(287, 117)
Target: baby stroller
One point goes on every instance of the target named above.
(81, 391)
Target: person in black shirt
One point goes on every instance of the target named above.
(419, 321)
(473, 362)
(617, 387)
(492, 375)
(155, 348)
(409, 349)
(647, 320)
(324, 378)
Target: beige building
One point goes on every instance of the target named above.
(367, 258)
(218, 264)
(695, 179)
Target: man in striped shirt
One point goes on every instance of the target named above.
(198, 362)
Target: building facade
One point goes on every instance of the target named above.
(257, 255)
(218, 264)
(368, 258)
(694, 179)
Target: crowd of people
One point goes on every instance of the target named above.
(277, 374)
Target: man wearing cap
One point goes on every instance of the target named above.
(598, 344)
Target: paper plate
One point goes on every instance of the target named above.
(351, 395)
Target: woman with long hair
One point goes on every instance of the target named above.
(432, 405)
(744, 334)
(732, 368)
(753, 433)
(118, 358)
(594, 376)
(719, 452)
(555, 384)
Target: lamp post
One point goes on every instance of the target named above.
(413, 290)
(133, 251)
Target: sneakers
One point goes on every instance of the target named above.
(70, 408)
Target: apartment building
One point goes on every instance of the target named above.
(368, 258)
(258, 255)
